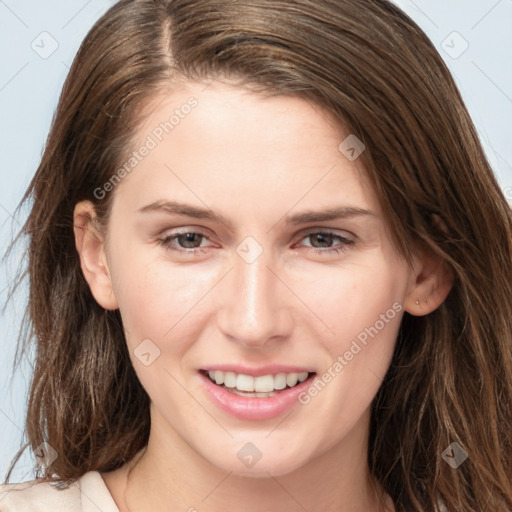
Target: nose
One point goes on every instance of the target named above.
(255, 307)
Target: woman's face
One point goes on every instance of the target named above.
(244, 241)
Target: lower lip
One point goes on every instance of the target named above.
(255, 408)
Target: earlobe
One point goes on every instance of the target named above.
(431, 282)
(91, 250)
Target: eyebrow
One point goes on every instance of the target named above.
(307, 216)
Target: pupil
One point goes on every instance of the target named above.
(187, 239)
(326, 237)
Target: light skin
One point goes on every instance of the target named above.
(255, 162)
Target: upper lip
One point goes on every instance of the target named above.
(271, 369)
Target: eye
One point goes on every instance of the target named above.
(185, 242)
(191, 242)
(322, 241)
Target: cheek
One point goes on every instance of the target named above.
(146, 302)
(362, 305)
(157, 299)
(351, 299)
(161, 311)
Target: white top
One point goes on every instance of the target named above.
(87, 494)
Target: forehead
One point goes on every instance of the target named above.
(220, 143)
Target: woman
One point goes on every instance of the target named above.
(269, 269)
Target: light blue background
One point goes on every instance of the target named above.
(30, 85)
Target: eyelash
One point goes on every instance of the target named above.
(166, 242)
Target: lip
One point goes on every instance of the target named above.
(254, 409)
(271, 369)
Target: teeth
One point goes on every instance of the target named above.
(263, 384)
(244, 383)
(229, 379)
(291, 379)
(280, 381)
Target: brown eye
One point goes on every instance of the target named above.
(324, 239)
(322, 242)
(189, 240)
(186, 242)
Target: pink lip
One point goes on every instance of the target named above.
(255, 408)
(272, 369)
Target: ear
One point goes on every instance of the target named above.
(91, 249)
(431, 281)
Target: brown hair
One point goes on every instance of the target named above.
(373, 67)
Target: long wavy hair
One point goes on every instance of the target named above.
(368, 63)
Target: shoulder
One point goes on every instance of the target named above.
(38, 496)
(88, 493)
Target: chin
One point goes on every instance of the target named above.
(268, 465)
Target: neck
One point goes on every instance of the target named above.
(170, 475)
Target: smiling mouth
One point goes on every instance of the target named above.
(258, 387)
